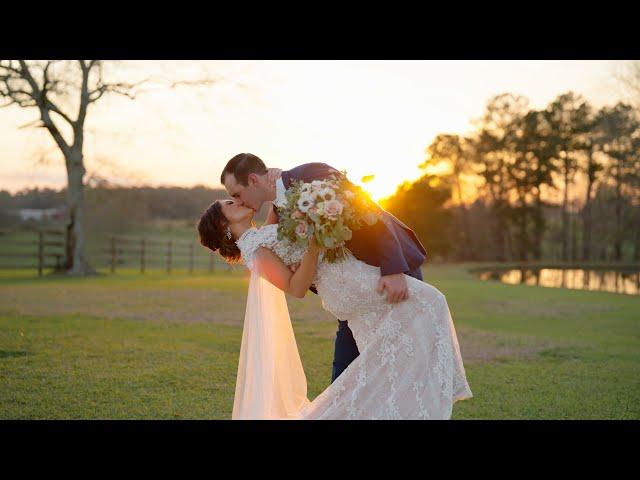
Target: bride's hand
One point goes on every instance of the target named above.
(313, 245)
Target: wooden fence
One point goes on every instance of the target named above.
(111, 253)
(167, 254)
(44, 245)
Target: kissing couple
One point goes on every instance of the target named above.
(396, 350)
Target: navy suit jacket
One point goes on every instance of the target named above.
(388, 244)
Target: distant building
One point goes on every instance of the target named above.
(39, 214)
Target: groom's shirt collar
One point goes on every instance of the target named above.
(280, 197)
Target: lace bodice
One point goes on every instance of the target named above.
(267, 236)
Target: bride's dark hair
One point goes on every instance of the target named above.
(212, 229)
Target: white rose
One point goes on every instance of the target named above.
(305, 202)
(326, 194)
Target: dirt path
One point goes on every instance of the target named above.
(220, 307)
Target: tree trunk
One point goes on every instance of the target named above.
(636, 247)
(523, 236)
(499, 234)
(510, 255)
(565, 213)
(574, 239)
(77, 263)
(586, 216)
(618, 231)
(538, 229)
(467, 228)
(501, 224)
(469, 255)
(521, 222)
(496, 226)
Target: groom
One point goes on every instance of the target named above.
(388, 244)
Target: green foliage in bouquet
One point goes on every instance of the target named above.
(329, 209)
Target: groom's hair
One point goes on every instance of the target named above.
(241, 166)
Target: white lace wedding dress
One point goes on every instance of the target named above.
(409, 365)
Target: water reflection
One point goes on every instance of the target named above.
(626, 282)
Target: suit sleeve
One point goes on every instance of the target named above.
(390, 252)
(313, 171)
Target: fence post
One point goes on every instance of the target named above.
(40, 252)
(142, 255)
(113, 254)
(169, 257)
(191, 258)
(65, 239)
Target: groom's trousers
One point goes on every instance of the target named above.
(346, 350)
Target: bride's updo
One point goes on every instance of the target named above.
(213, 227)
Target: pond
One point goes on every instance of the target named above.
(616, 281)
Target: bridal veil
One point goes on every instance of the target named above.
(270, 384)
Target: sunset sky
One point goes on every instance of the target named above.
(368, 117)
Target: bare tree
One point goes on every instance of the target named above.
(629, 78)
(62, 92)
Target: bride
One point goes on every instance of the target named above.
(409, 365)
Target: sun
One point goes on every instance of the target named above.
(377, 191)
(381, 186)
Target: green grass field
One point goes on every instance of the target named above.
(154, 346)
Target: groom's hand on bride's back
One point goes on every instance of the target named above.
(396, 287)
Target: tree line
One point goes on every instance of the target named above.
(116, 209)
(559, 183)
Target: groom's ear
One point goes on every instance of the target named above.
(253, 180)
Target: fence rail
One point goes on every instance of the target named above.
(144, 251)
(116, 251)
(42, 243)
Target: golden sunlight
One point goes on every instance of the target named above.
(377, 187)
(441, 168)
(384, 184)
(382, 181)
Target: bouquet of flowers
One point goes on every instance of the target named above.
(330, 210)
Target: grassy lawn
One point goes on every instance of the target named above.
(154, 346)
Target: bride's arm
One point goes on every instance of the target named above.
(275, 271)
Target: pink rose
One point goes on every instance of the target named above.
(332, 208)
(301, 229)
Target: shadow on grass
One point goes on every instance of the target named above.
(13, 354)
